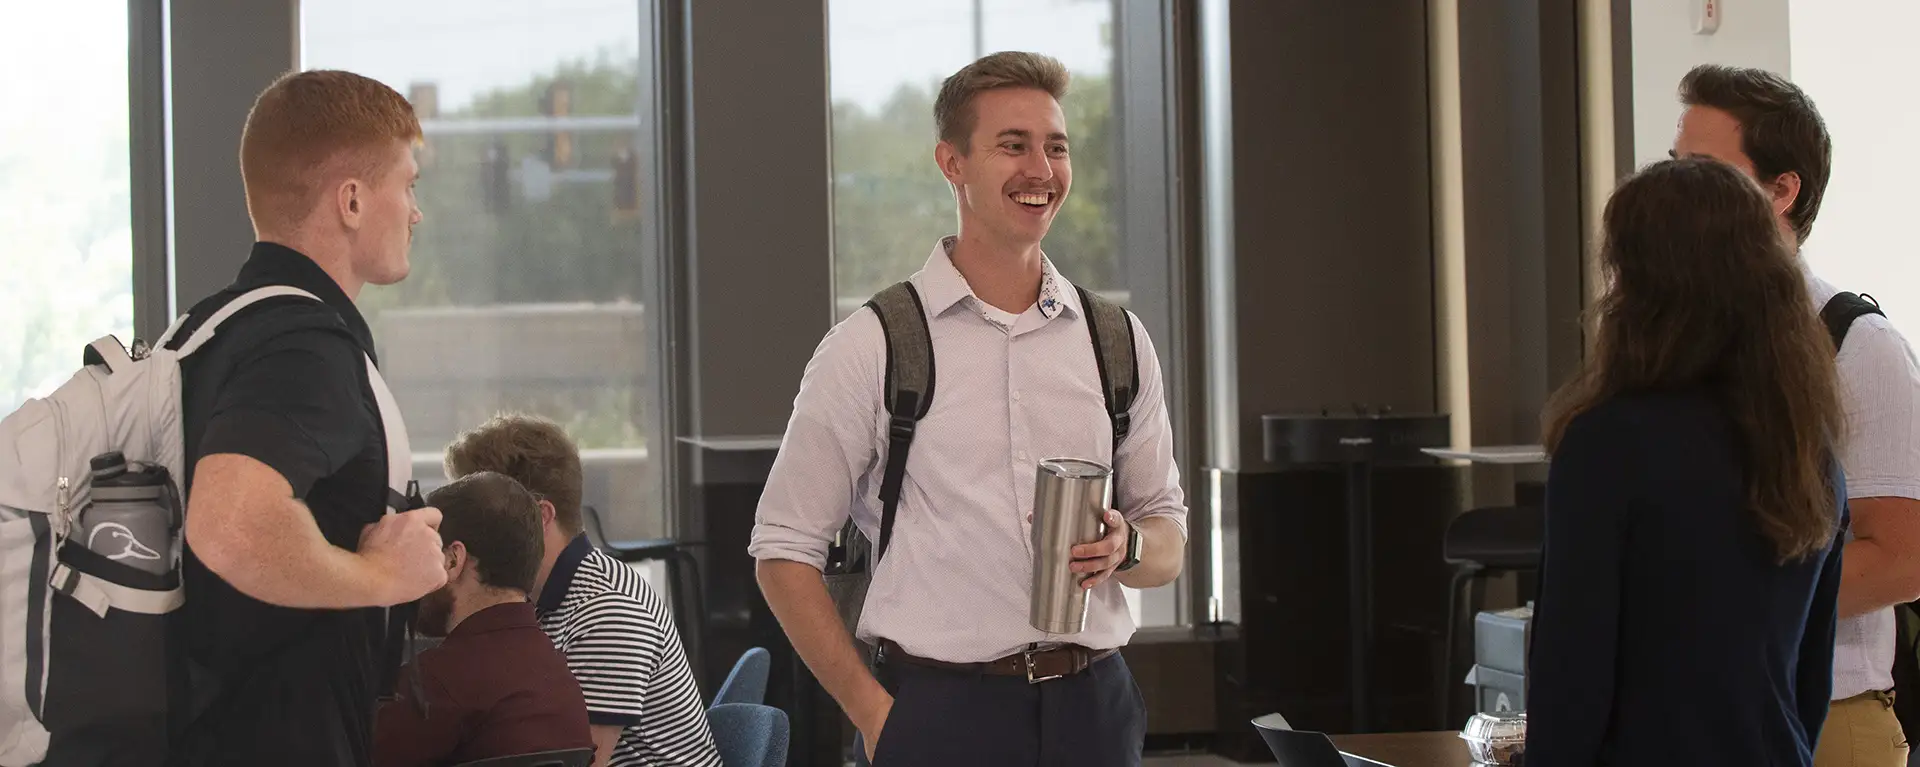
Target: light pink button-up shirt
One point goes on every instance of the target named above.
(1880, 391)
(954, 583)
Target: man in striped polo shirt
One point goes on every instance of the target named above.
(617, 634)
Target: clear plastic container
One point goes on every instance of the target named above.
(1496, 739)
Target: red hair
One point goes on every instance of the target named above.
(309, 129)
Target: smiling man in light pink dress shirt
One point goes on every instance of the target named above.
(1017, 383)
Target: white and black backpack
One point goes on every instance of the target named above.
(87, 674)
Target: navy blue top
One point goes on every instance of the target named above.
(1665, 632)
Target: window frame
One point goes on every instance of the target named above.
(150, 154)
(187, 124)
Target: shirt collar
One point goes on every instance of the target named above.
(942, 286)
(561, 579)
(1817, 287)
(511, 615)
(275, 264)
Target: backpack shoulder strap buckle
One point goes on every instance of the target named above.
(900, 428)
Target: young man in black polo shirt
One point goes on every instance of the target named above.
(291, 553)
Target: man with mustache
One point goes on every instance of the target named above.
(496, 686)
(1018, 382)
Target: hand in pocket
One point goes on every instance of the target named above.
(875, 722)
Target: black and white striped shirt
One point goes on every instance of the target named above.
(621, 645)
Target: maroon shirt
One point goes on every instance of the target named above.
(495, 687)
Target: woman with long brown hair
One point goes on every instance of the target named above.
(1687, 603)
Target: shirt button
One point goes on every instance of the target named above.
(1016, 396)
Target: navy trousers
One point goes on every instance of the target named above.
(1094, 718)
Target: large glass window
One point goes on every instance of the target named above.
(890, 202)
(1862, 242)
(66, 242)
(532, 275)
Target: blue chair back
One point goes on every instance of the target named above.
(748, 681)
(749, 734)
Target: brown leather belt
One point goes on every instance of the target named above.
(1036, 665)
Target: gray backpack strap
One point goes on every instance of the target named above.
(908, 394)
(908, 391)
(204, 332)
(1112, 331)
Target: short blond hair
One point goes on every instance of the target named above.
(953, 115)
(309, 128)
(533, 451)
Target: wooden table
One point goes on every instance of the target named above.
(1408, 749)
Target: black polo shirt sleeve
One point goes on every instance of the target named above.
(296, 404)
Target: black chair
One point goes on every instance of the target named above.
(1480, 544)
(573, 757)
(683, 581)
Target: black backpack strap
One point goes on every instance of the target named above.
(1842, 309)
(908, 391)
(1112, 331)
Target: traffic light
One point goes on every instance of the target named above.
(558, 103)
(425, 98)
(495, 180)
(626, 183)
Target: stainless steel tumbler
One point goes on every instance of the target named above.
(1071, 497)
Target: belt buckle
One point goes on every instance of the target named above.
(1027, 657)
